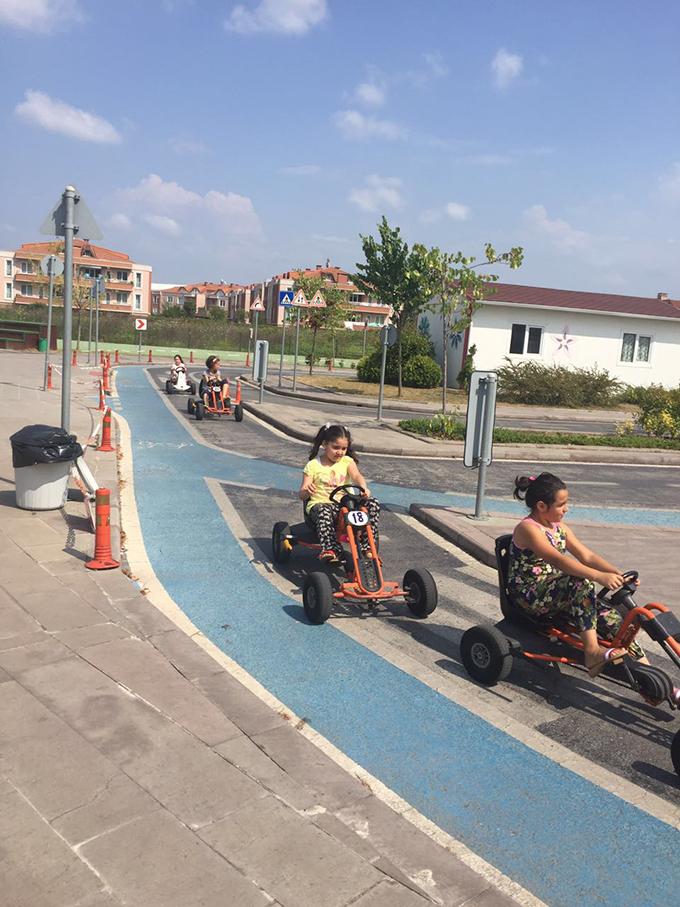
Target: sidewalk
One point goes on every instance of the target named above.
(135, 769)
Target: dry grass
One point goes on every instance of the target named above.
(344, 384)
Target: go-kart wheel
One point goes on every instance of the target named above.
(192, 387)
(238, 413)
(485, 654)
(280, 553)
(421, 591)
(675, 752)
(199, 410)
(317, 598)
(191, 405)
(169, 387)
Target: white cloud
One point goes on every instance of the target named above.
(560, 233)
(43, 16)
(288, 17)
(379, 192)
(119, 221)
(301, 170)
(505, 68)
(370, 93)
(155, 191)
(358, 127)
(163, 224)
(187, 146)
(433, 68)
(669, 183)
(457, 211)
(324, 238)
(57, 116)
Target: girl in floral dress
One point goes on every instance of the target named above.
(545, 582)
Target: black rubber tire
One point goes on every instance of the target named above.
(169, 387)
(675, 752)
(192, 387)
(238, 412)
(422, 591)
(199, 410)
(485, 653)
(317, 598)
(280, 555)
(191, 406)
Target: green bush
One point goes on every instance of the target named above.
(555, 385)
(422, 371)
(413, 344)
(659, 413)
(468, 368)
(368, 370)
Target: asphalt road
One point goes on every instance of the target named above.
(602, 721)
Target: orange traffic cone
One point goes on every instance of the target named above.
(150, 356)
(74, 357)
(49, 377)
(116, 359)
(105, 379)
(105, 439)
(102, 403)
(103, 559)
(191, 357)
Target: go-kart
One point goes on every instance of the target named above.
(216, 406)
(182, 383)
(363, 581)
(487, 654)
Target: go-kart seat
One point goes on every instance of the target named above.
(503, 565)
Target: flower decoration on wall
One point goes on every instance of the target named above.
(564, 341)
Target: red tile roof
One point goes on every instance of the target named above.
(594, 302)
(207, 288)
(44, 248)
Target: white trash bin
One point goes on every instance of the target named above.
(43, 486)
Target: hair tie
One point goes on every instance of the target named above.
(327, 425)
(532, 478)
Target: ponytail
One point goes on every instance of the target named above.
(331, 432)
(532, 489)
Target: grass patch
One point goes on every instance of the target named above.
(449, 429)
(346, 384)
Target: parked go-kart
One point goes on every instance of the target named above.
(181, 384)
(216, 406)
(487, 653)
(364, 582)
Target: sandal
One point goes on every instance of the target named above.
(611, 656)
(329, 557)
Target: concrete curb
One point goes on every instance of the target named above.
(472, 541)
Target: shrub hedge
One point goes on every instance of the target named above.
(555, 385)
(413, 344)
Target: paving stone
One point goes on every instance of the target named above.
(4, 676)
(249, 824)
(441, 874)
(118, 802)
(143, 616)
(332, 826)
(142, 669)
(249, 758)
(83, 637)
(176, 869)
(22, 639)
(23, 576)
(182, 773)
(389, 894)
(48, 761)
(332, 786)
(185, 654)
(26, 842)
(82, 582)
(116, 585)
(60, 609)
(491, 898)
(49, 555)
(22, 658)
(13, 618)
(298, 864)
(244, 708)
(28, 529)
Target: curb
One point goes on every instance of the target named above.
(473, 542)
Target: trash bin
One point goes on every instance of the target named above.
(42, 344)
(42, 456)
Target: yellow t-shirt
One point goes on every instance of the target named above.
(326, 478)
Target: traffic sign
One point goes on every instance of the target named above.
(300, 300)
(286, 297)
(257, 306)
(51, 266)
(83, 222)
(141, 323)
(317, 301)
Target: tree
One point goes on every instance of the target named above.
(392, 273)
(189, 306)
(458, 288)
(329, 318)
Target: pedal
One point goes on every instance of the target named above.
(368, 574)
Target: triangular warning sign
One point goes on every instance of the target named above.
(300, 299)
(317, 301)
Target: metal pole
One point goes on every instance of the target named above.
(96, 322)
(89, 331)
(363, 352)
(139, 350)
(283, 344)
(382, 373)
(69, 228)
(257, 318)
(49, 320)
(261, 382)
(489, 385)
(297, 344)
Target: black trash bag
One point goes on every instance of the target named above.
(43, 444)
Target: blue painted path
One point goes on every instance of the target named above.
(558, 835)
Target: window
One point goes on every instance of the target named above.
(525, 340)
(138, 279)
(8, 268)
(635, 348)
(121, 298)
(108, 296)
(356, 297)
(138, 301)
(171, 300)
(86, 273)
(26, 289)
(25, 267)
(122, 276)
(8, 291)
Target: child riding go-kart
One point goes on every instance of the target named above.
(214, 403)
(363, 582)
(487, 654)
(179, 381)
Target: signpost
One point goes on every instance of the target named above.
(140, 325)
(97, 285)
(260, 361)
(285, 301)
(388, 337)
(257, 307)
(300, 302)
(69, 216)
(479, 425)
(52, 267)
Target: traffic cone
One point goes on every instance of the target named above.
(116, 358)
(150, 356)
(101, 357)
(330, 365)
(108, 360)
(49, 377)
(103, 559)
(102, 403)
(191, 357)
(248, 359)
(105, 379)
(237, 399)
(105, 439)
(74, 357)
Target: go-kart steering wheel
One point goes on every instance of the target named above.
(350, 491)
(618, 595)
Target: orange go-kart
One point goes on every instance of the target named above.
(363, 582)
(216, 406)
(487, 654)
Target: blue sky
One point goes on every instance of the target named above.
(217, 140)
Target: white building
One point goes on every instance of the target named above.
(636, 339)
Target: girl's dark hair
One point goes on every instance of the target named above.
(532, 489)
(329, 432)
(177, 356)
(210, 360)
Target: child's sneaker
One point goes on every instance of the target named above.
(329, 557)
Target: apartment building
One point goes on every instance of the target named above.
(204, 296)
(126, 287)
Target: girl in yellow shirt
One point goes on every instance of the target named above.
(332, 462)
